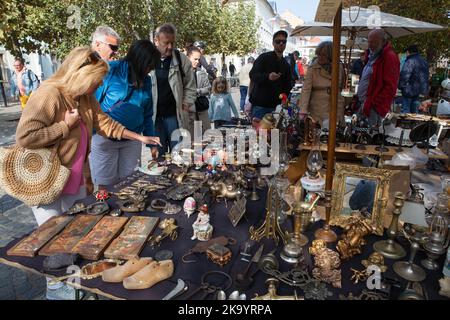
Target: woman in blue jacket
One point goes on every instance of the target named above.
(126, 97)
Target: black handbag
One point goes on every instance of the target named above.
(201, 104)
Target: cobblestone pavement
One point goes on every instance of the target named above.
(16, 220)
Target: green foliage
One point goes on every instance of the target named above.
(50, 26)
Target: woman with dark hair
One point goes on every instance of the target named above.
(126, 97)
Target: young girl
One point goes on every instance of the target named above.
(221, 103)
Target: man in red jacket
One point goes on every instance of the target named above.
(379, 80)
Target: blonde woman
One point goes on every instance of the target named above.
(316, 92)
(64, 111)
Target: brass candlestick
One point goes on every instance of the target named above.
(293, 250)
(389, 248)
(407, 269)
(325, 233)
(271, 227)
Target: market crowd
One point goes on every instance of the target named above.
(98, 110)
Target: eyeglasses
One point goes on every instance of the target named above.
(113, 47)
(280, 41)
(93, 58)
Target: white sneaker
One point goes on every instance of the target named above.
(63, 293)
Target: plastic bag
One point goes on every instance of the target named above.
(413, 158)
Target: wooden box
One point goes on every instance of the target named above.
(72, 234)
(30, 246)
(132, 239)
(92, 246)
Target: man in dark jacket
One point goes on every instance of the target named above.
(270, 76)
(413, 80)
(379, 80)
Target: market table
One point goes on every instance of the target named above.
(191, 273)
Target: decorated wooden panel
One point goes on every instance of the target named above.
(92, 246)
(30, 246)
(133, 238)
(72, 234)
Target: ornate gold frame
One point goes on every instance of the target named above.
(383, 178)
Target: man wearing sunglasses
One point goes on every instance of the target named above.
(270, 76)
(105, 41)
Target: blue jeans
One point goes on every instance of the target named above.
(410, 105)
(260, 112)
(244, 90)
(163, 129)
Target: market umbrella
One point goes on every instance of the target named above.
(360, 21)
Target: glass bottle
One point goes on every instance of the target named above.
(315, 159)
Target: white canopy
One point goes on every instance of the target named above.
(360, 21)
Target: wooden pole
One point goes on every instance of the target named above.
(326, 233)
(334, 100)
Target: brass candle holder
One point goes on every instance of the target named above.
(271, 227)
(325, 233)
(293, 250)
(407, 269)
(389, 248)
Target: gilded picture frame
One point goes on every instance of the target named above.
(382, 178)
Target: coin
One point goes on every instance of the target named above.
(163, 255)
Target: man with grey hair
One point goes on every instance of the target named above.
(379, 80)
(173, 88)
(106, 42)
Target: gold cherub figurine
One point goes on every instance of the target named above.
(353, 237)
(327, 262)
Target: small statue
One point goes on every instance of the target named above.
(353, 237)
(375, 259)
(202, 228)
(327, 262)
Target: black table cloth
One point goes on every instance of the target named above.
(191, 273)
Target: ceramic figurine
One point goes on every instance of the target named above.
(202, 228)
(189, 206)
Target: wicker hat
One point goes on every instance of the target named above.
(32, 176)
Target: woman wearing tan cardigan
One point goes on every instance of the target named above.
(64, 111)
(316, 92)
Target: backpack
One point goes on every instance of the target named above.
(29, 77)
(180, 66)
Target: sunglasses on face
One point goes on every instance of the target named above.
(93, 58)
(280, 41)
(113, 47)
